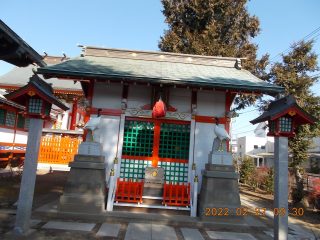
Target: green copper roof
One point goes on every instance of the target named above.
(186, 74)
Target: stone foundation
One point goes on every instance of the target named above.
(85, 191)
(219, 195)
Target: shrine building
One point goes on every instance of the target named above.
(125, 84)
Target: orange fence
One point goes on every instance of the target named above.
(58, 150)
(178, 195)
(129, 191)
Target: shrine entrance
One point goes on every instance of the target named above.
(156, 143)
(160, 147)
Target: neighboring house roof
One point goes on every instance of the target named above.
(281, 106)
(14, 50)
(19, 77)
(160, 67)
(42, 87)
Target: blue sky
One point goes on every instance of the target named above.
(57, 26)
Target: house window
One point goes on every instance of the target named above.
(263, 147)
(255, 146)
(240, 154)
(23, 122)
(20, 123)
(3, 113)
(10, 119)
(27, 123)
(240, 146)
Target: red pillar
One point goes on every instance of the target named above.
(89, 97)
(74, 115)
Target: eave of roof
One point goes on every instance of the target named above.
(18, 77)
(161, 72)
(14, 57)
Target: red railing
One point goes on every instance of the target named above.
(129, 191)
(58, 150)
(178, 195)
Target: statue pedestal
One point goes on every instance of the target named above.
(219, 195)
(85, 191)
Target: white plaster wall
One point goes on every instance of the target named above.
(109, 128)
(211, 103)
(139, 96)
(48, 124)
(204, 135)
(65, 118)
(6, 135)
(21, 137)
(107, 95)
(251, 141)
(180, 98)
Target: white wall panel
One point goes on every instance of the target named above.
(211, 103)
(139, 96)
(6, 135)
(48, 124)
(21, 137)
(180, 98)
(204, 136)
(107, 95)
(109, 128)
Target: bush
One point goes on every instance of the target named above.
(269, 181)
(247, 169)
(259, 177)
(314, 195)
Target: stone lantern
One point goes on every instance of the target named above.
(37, 96)
(283, 115)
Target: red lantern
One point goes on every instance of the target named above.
(159, 110)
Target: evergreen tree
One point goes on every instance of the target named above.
(214, 28)
(247, 168)
(294, 74)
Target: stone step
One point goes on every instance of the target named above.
(151, 208)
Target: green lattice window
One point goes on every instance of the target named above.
(27, 123)
(174, 141)
(47, 108)
(174, 172)
(138, 138)
(133, 169)
(35, 105)
(3, 113)
(273, 125)
(285, 124)
(11, 118)
(20, 123)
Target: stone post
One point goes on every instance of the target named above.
(28, 180)
(281, 187)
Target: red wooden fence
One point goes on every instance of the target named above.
(58, 150)
(178, 195)
(129, 191)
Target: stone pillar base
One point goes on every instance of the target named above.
(85, 191)
(29, 235)
(219, 199)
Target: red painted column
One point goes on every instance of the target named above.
(74, 115)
